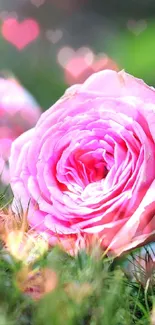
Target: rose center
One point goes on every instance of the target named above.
(84, 165)
(90, 166)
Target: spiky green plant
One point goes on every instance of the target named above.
(89, 288)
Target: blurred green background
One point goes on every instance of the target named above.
(121, 30)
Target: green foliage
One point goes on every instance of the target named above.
(90, 290)
(134, 51)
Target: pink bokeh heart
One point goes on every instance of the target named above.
(79, 65)
(20, 34)
(103, 62)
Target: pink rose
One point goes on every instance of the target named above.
(18, 113)
(89, 164)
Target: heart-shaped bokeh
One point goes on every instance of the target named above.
(37, 3)
(20, 34)
(79, 65)
(137, 27)
(54, 36)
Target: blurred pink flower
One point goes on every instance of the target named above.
(18, 113)
(89, 164)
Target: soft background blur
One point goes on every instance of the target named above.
(50, 44)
